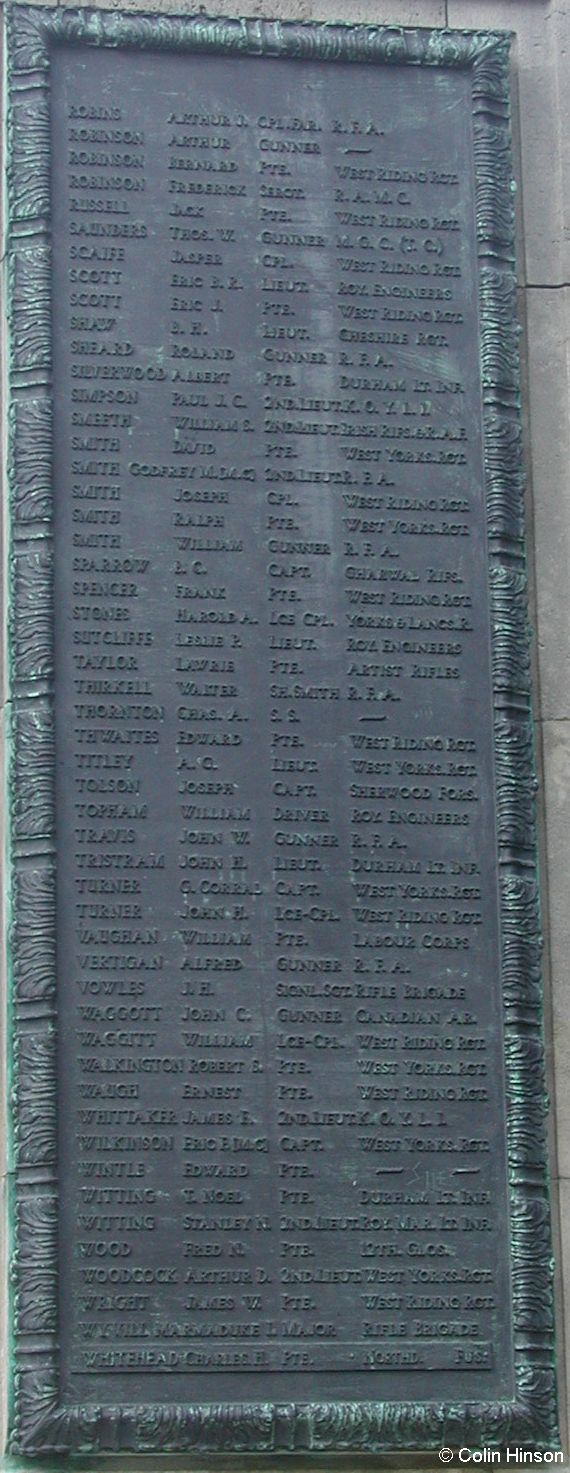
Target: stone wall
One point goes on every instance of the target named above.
(541, 95)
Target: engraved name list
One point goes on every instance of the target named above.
(280, 1041)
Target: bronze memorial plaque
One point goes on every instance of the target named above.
(278, 1093)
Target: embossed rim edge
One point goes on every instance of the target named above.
(39, 1424)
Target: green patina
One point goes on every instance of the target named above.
(40, 1425)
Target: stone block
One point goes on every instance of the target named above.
(548, 441)
(361, 12)
(563, 1310)
(556, 920)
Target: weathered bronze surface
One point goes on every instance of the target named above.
(292, 1072)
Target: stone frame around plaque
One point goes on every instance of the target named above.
(39, 1424)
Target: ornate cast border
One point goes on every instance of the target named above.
(39, 1424)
